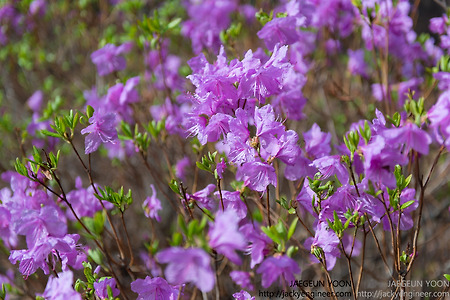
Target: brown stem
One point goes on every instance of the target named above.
(220, 194)
(130, 249)
(88, 171)
(361, 269)
(378, 245)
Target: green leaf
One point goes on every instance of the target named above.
(20, 168)
(174, 23)
(281, 229)
(50, 133)
(292, 228)
(202, 167)
(177, 239)
(96, 256)
(3, 292)
(271, 234)
(291, 251)
(407, 204)
(89, 111)
(173, 184)
(447, 276)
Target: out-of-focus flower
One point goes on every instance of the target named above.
(152, 205)
(242, 278)
(101, 288)
(108, 59)
(60, 288)
(224, 236)
(101, 130)
(188, 265)
(274, 267)
(154, 288)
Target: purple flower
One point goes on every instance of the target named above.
(274, 267)
(331, 165)
(36, 225)
(257, 175)
(438, 25)
(35, 101)
(410, 135)
(188, 265)
(224, 236)
(233, 201)
(242, 278)
(439, 116)
(60, 288)
(207, 18)
(107, 59)
(279, 30)
(317, 143)
(101, 288)
(261, 82)
(180, 167)
(356, 64)
(84, 202)
(119, 98)
(259, 242)
(220, 168)
(101, 130)
(326, 240)
(154, 288)
(380, 160)
(203, 197)
(152, 205)
(243, 295)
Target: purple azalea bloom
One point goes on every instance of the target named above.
(276, 266)
(405, 87)
(180, 167)
(438, 25)
(410, 135)
(380, 160)
(154, 288)
(224, 236)
(356, 64)
(233, 201)
(119, 98)
(37, 7)
(317, 143)
(243, 295)
(332, 165)
(203, 197)
(328, 241)
(264, 81)
(301, 167)
(207, 18)
(84, 202)
(36, 225)
(101, 288)
(257, 175)
(279, 30)
(35, 101)
(152, 205)
(284, 147)
(242, 278)
(221, 166)
(108, 59)
(188, 265)
(439, 116)
(259, 242)
(406, 221)
(101, 130)
(60, 288)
